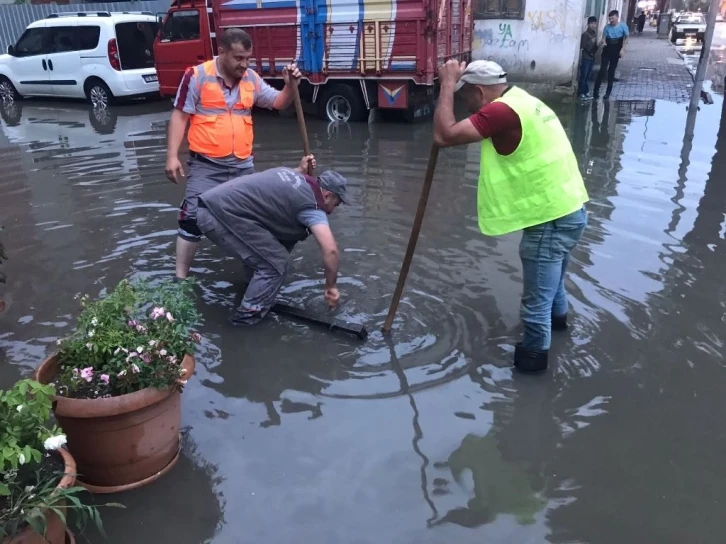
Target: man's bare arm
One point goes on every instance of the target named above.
(174, 138)
(175, 135)
(329, 250)
(447, 132)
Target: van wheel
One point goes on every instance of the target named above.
(8, 93)
(341, 103)
(98, 93)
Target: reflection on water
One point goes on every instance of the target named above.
(426, 436)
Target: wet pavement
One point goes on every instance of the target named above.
(294, 434)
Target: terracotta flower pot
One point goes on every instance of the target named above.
(123, 442)
(55, 528)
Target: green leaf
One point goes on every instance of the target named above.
(4, 490)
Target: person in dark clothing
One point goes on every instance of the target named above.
(641, 22)
(589, 47)
(260, 217)
(614, 36)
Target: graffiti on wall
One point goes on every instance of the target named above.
(500, 37)
(553, 22)
(500, 43)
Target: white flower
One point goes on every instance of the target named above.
(29, 488)
(116, 351)
(122, 373)
(94, 321)
(54, 442)
(162, 352)
(20, 408)
(21, 459)
(140, 349)
(91, 333)
(152, 343)
(89, 345)
(135, 369)
(59, 342)
(169, 316)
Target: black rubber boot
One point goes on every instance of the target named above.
(559, 322)
(529, 360)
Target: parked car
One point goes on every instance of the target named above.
(97, 55)
(689, 25)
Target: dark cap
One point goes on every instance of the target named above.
(591, 19)
(335, 183)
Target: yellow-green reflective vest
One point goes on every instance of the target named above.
(537, 183)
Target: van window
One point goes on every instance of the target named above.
(136, 44)
(34, 41)
(74, 38)
(181, 26)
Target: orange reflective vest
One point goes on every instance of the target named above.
(216, 130)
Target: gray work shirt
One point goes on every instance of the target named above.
(265, 210)
(187, 98)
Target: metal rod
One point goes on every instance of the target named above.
(301, 120)
(415, 230)
(713, 11)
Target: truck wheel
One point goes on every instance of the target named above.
(341, 103)
(98, 93)
(8, 93)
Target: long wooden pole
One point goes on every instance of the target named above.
(301, 121)
(415, 230)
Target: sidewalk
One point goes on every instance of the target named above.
(651, 69)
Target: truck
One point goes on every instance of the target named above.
(355, 55)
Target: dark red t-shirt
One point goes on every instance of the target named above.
(500, 123)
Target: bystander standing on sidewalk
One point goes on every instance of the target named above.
(588, 46)
(615, 36)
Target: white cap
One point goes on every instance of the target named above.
(482, 72)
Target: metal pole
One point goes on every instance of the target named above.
(713, 11)
(417, 222)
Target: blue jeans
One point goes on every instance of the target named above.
(545, 252)
(585, 71)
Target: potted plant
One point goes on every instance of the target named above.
(38, 474)
(119, 377)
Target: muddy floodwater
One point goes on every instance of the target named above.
(294, 434)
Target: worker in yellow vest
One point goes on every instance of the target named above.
(529, 180)
(217, 97)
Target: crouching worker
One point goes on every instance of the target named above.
(260, 217)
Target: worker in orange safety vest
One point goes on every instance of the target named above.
(217, 97)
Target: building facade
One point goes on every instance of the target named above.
(536, 41)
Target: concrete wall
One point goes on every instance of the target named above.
(542, 48)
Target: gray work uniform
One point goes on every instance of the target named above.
(208, 172)
(259, 218)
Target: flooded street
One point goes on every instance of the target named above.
(294, 434)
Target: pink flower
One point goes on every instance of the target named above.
(157, 312)
(196, 337)
(169, 317)
(133, 323)
(146, 357)
(75, 372)
(87, 373)
(135, 369)
(140, 328)
(172, 359)
(105, 378)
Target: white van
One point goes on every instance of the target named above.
(97, 55)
